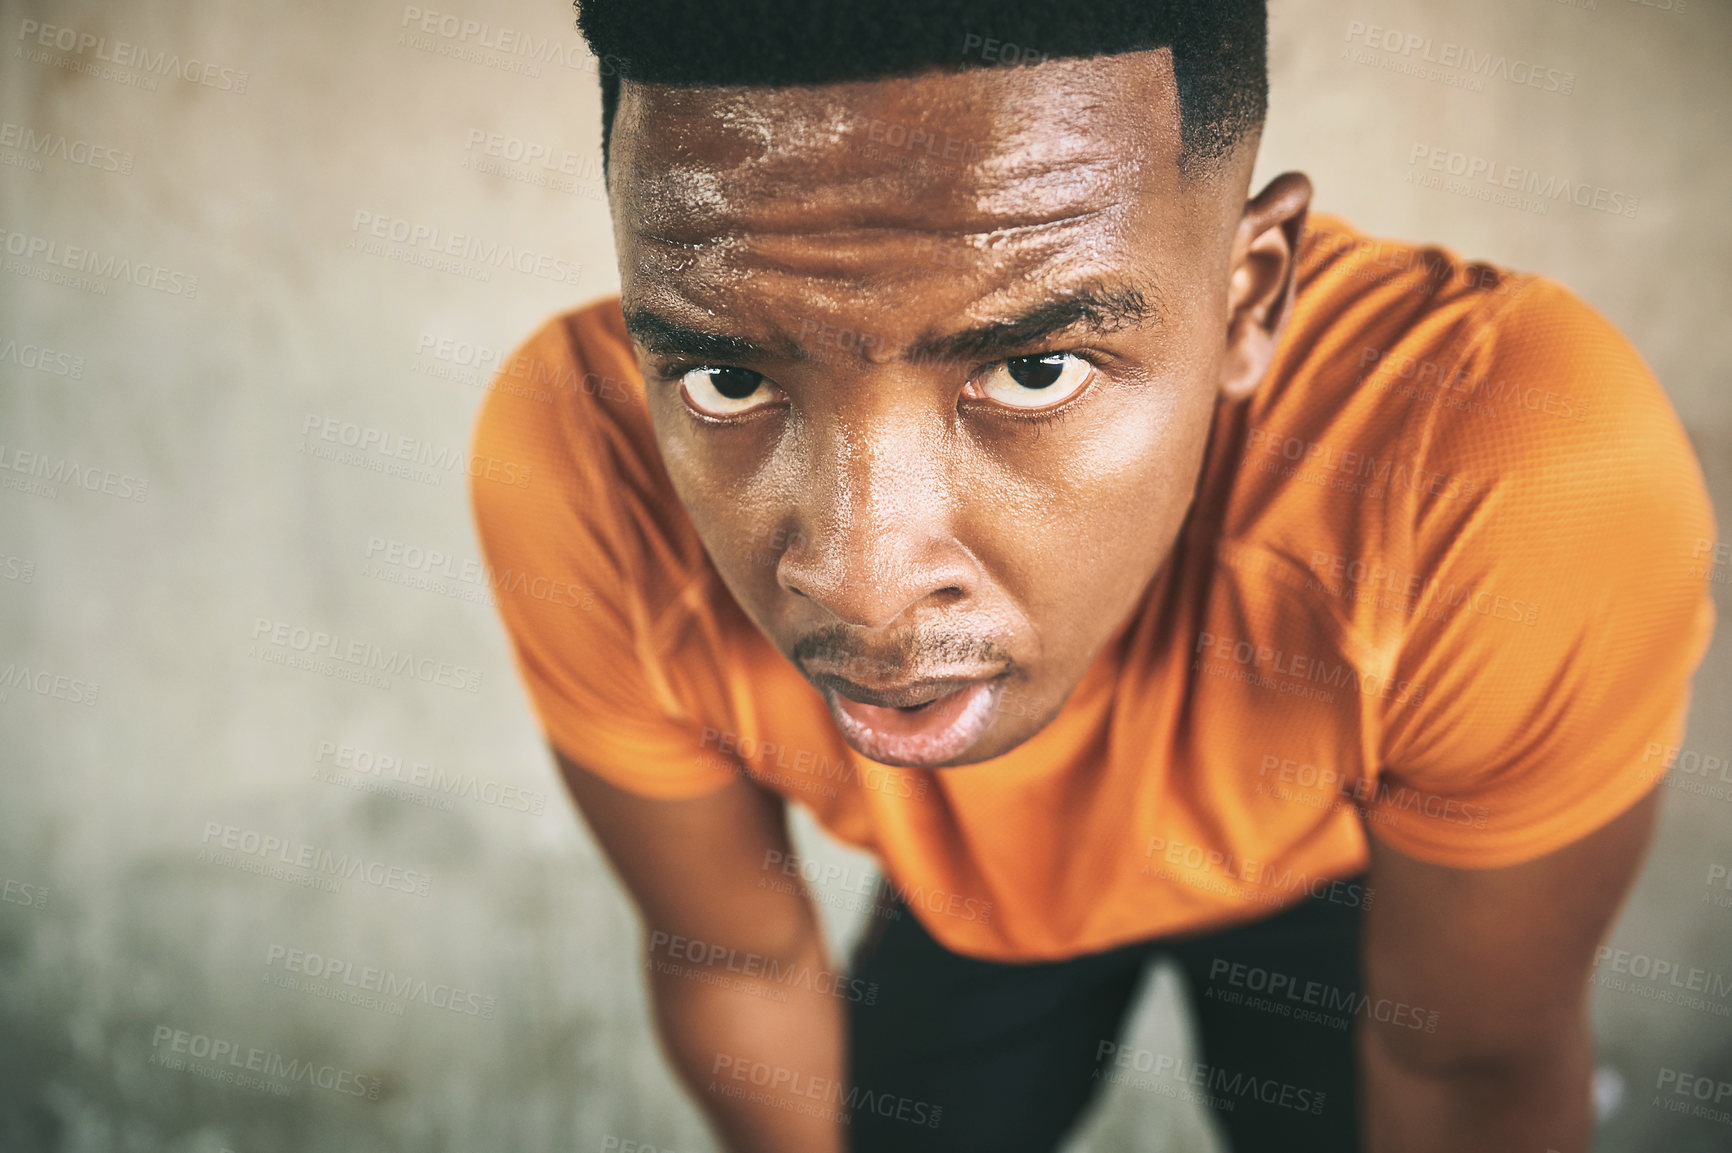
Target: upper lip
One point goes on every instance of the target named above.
(903, 696)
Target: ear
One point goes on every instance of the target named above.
(1260, 285)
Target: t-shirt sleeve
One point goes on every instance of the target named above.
(579, 554)
(1562, 602)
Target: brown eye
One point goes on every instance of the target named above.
(1034, 382)
(726, 391)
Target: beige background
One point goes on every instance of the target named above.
(106, 806)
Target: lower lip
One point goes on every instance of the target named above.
(942, 731)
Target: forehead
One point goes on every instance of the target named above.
(900, 207)
(961, 154)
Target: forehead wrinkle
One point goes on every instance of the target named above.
(690, 205)
(1067, 150)
(976, 238)
(1016, 185)
(972, 324)
(827, 186)
(693, 159)
(691, 193)
(846, 282)
(840, 279)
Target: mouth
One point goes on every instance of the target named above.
(923, 724)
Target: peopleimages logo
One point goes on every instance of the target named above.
(276, 641)
(354, 978)
(1217, 1082)
(426, 243)
(534, 154)
(234, 847)
(436, 570)
(24, 893)
(1425, 57)
(123, 54)
(796, 1091)
(47, 473)
(60, 686)
(222, 1059)
(47, 145)
(1545, 187)
(1286, 994)
(1300, 669)
(365, 769)
(81, 259)
(41, 359)
(1663, 979)
(379, 450)
(669, 954)
(1699, 1089)
(463, 36)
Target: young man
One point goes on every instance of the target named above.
(1134, 567)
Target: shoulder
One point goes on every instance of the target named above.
(1475, 489)
(571, 377)
(597, 571)
(1327, 463)
(1550, 416)
(566, 411)
(1414, 390)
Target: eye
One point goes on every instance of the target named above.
(1033, 382)
(726, 391)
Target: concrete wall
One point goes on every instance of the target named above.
(118, 926)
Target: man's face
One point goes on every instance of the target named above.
(931, 363)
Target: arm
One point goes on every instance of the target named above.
(695, 869)
(1504, 957)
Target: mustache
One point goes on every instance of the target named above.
(845, 654)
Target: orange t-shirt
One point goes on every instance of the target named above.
(1441, 580)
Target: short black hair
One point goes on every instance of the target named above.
(1220, 47)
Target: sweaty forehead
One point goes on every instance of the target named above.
(965, 153)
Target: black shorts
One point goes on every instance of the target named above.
(962, 1055)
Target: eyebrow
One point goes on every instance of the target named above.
(667, 337)
(1098, 309)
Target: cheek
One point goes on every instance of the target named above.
(732, 498)
(1077, 519)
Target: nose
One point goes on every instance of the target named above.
(873, 538)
